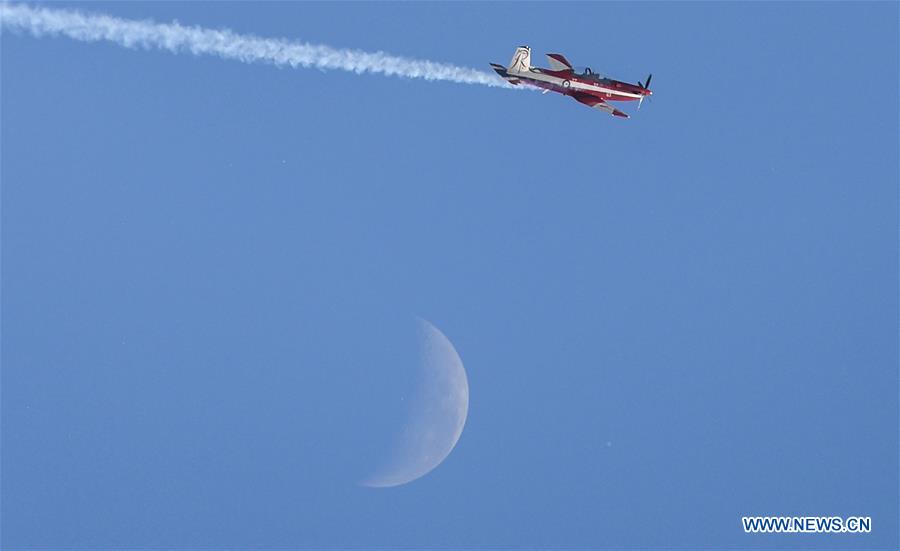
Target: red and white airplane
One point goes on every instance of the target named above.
(586, 87)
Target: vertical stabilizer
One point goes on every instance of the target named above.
(521, 60)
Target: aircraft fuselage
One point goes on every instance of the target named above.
(586, 87)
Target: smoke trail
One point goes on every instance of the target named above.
(226, 44)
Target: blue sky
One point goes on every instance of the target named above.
(210, 271)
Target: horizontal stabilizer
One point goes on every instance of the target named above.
(501, 70)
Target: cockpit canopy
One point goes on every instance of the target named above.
(587, 72)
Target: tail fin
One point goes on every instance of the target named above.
(521, 60)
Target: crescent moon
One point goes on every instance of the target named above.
(437, 414)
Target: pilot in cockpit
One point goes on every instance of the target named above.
(587, 72)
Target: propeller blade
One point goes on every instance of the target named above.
(641, 84)
(648, 81)
(640, 101)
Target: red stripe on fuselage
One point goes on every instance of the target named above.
(612, 85)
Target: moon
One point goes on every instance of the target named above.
(437, 413)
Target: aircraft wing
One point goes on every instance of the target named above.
(597, 103)
(558, 62)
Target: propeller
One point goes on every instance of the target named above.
(645, 87)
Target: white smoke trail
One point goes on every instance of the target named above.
(226, 44)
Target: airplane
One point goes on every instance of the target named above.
(586, 87)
